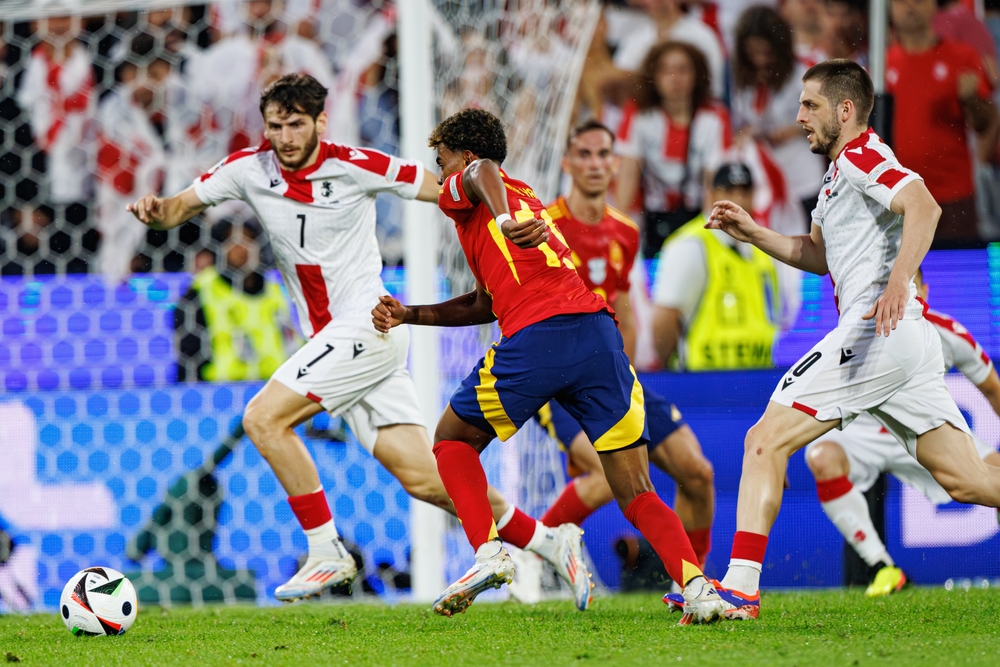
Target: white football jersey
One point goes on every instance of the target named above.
(960, 349)
(321, 222)
(861, 233)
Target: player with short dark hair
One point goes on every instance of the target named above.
(872, 226)
(558, 341)
(317, 202)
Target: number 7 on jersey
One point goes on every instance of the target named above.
(302, 229)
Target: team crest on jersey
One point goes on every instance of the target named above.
(597, 269)
(616, 256)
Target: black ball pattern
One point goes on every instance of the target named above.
(65, 611)
(126, 608)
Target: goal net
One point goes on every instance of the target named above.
(120, 423)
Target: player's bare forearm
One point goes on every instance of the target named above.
(667, 325)
(980, 113)
(483, 182)
(626, 322)
(429, 188)
(167, 213)
(990, 387)
(806, 252)
(920, 217)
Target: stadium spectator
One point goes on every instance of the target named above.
(956, 22)
(805, 19)
(940, 89)
(715, 299)
(669, 22)
(668, 138)
(766, 86)
(233, 324)
(57, 93)
(845, 29)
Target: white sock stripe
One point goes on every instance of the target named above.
(507, 516)
(740, 562)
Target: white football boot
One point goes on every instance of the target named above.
(323, 569)
(493, 569)
(702, 603)
(527, 585)
(569, 564)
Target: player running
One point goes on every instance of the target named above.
(604, 243)
(871, 228)
(559, 341)
(317, 202)
(846, 463)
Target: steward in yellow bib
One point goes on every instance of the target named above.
(230, 333)
(716, 300)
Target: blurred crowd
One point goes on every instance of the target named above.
(94, 115)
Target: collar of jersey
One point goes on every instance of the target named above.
(857, 143)
(303, 174)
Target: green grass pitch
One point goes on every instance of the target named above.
(826, 628)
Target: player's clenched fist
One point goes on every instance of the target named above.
(388, 313)
(733, 220)
(149, 210)
(528, 234)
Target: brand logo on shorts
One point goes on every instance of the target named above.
(788, 381)
(846, 354)
(304, 370)
(358, 349)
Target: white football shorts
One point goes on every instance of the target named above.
(357, 373)
(898, 379)
(871, 450)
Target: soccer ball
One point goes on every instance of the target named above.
(98, 601)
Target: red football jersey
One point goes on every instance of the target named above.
(929, 128)
(527, 285)
(603, 253)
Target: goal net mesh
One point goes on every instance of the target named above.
(123, 446)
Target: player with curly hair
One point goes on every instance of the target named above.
(559, 341)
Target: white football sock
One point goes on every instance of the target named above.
(849, 513)
(743, 576)
(325, 541)
(544, 542)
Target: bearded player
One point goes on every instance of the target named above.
(604, 243)
(317, 202)
(558, 341)
(873, 223)
(846, 463)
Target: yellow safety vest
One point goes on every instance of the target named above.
(244, 330)
(733, 326)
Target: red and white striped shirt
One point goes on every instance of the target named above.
(321, 222)
(960, 349)
(673, 157)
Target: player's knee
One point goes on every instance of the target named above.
(759, 441)
(961, 490)
(826, 460)
(260, 427)
(698, 478)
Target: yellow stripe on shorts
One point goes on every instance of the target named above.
(489, 399)
(629, 428)
(545, 420)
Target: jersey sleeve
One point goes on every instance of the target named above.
(222, 182)
(452, 196)
(873, 169)
(375, 171)
(968, 356)
(630, 251)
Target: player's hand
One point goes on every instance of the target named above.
(889, 307)
(733, 220)
(388, 313)
(528, 234)
(149, 210)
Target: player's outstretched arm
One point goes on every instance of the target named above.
(429, 188)
(483, 182)
(472, 308)
(920, 217)
(806, 252)
(168, 212)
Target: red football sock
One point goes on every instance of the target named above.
(831, 489)
(311, 509)
(749, 546)
(568, 508)
(519, 530)
(665, 533)
(465, 481)
(701, 542)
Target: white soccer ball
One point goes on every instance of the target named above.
(98, 601)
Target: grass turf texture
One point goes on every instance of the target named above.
(915, 627)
